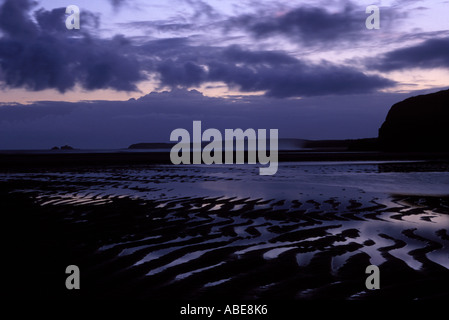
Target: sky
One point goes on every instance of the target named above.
(136, 70)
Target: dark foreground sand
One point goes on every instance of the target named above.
(219, 248)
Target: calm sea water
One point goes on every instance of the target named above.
(292, 181)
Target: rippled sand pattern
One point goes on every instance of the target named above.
(233, 247)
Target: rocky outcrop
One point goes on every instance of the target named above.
(419, 123)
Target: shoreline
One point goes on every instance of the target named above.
(42, 160)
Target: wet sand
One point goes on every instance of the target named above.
(309, 246)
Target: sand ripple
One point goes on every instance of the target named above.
(255, 248)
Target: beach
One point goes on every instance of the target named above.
(162, 232)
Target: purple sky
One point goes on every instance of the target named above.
(136, 70)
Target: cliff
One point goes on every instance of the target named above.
(419, 123)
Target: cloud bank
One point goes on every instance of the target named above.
(433, 53)
(44, 55)
(41, 54)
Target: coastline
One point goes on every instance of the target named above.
(20, 160)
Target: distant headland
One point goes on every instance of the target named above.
(416, 124)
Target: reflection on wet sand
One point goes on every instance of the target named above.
(167, 232)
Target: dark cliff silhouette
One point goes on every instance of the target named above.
(418, 123)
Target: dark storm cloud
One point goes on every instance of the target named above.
(167, 45)
(187, 74)
(297, 80)
(309, 24)
(315, 25)
(45, 54)
(237, 54)
(51, 21)
(433, 53)
(276, 73)
(14, 19)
